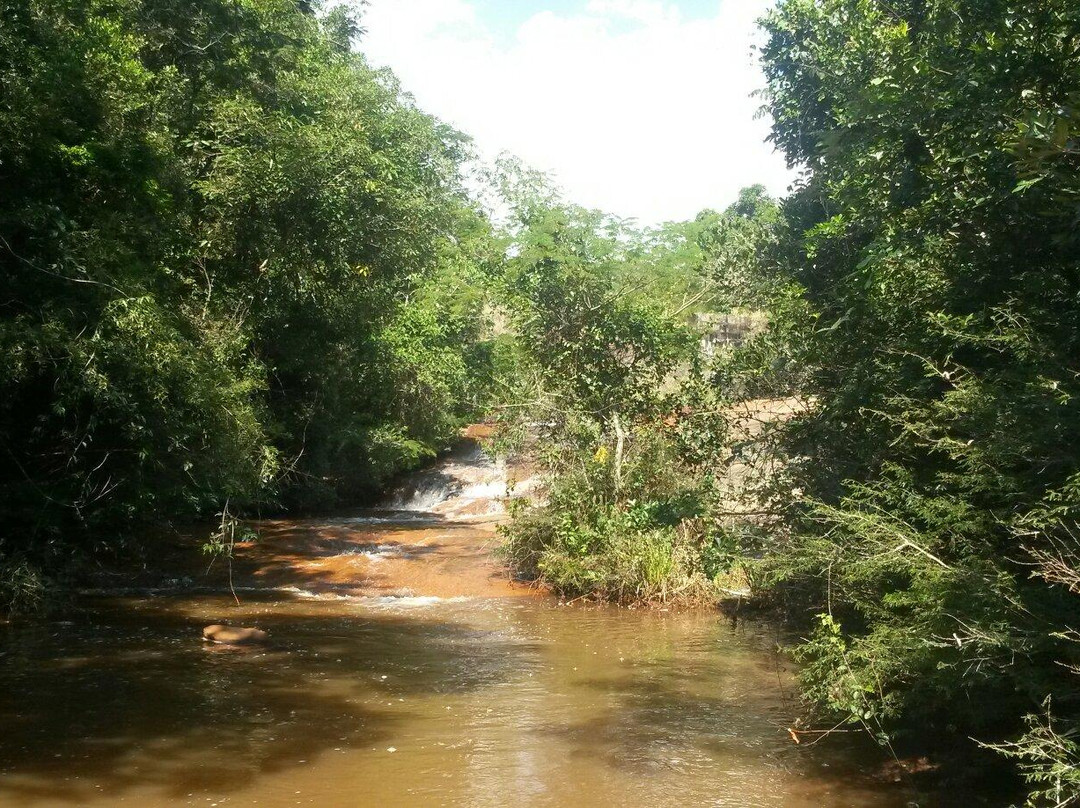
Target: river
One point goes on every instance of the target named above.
(405, 669)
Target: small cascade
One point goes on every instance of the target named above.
(465, 483)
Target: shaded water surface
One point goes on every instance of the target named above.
(405, 670)
(471, 702)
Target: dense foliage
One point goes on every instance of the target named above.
(605, 316)
(930, 295)
(901, 442)
(213, 215)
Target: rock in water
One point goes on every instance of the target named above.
(228, 635)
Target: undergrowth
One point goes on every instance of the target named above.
(622, 519)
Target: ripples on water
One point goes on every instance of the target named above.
(470, 702)
(374, 692)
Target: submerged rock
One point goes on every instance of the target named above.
(229, 635)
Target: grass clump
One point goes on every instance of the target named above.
(622, 519)
(23, 588)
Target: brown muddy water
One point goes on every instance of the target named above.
(405, 670)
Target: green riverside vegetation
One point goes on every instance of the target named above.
(242, 272)
(238, 268)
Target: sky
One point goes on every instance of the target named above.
(641, 108)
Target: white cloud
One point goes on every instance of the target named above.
(635, 109)
(648, 12)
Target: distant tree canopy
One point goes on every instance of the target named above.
(212, 216)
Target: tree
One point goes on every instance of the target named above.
(936, 246)
(236, 266)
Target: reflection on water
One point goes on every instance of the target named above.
(471, 702)
(404, 669)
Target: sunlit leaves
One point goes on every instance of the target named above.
(935, 243)
(237, 266)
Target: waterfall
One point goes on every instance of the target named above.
(467, 482)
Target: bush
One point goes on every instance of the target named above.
(620, 526)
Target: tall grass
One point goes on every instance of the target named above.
(617, 525)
